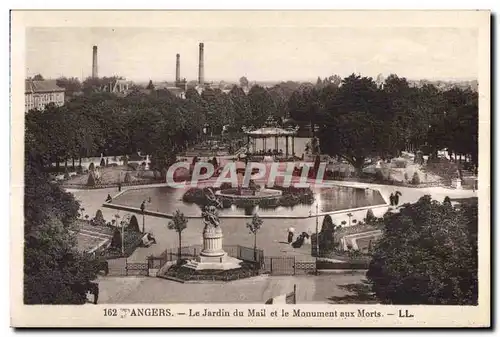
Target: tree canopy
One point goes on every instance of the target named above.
(427, 255)
(53, 269)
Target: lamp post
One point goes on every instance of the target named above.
(317, 233)
(143, 208)
(349, 215)
(117, 216)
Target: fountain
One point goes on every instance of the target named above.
(253, 191)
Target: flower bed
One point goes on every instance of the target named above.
(354, 229)
(86, 225)
(291, 196)
(183, 274)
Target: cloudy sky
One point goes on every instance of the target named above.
(262, 54)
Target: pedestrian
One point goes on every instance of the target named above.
(119, 187)
(396, 199)
(290, 235)
(391, 199)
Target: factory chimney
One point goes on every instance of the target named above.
(94, 62)
(178, 69)
(201, 67)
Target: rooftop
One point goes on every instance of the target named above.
(33, 86)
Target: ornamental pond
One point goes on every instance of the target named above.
(166, 200)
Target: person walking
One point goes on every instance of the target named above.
(396, 199)
(391, 199)
(290, 235)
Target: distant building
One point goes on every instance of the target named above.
(119, 87)
(37, 94)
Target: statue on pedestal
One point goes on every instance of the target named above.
(212, 256)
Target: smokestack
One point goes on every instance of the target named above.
(94, 62)
(178, 68)
(201, 67)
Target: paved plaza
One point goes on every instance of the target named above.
(126, 290)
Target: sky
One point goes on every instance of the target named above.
(260, 54)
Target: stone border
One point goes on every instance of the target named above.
(239, 216)
(170, 278)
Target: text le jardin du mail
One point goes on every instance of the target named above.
(289, 313)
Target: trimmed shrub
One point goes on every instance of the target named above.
(447, 200)
(99, 219)
(134, 224)
(91, 179)
(127, 178)
(379, 176)
(91, 167)
(79, 169)
(369, 216)
(116, 241)
(103, 162)
(66, 174)
(326, 235)
(416, 179)
(406, 176)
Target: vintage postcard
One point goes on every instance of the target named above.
(250, 169)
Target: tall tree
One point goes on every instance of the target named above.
(261, 105)
(71, 85)
(54, 271)
(178, 224)
(357, 122)
(244, 82)
(254, 227)
(150, 85)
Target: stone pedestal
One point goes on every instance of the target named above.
(212, 242)
(213, 257)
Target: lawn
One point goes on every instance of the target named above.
(86, 243)
(364, 242)
(86, 226)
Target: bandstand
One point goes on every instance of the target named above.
(267, 134)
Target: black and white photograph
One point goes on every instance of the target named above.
(203, 160)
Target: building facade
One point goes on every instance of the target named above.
(38, 94)
(119, 87)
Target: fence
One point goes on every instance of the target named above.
(137, 269)
(287, 265)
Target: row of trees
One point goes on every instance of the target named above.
(157, 123)
(358, 119)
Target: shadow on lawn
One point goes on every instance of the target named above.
(360, 294)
